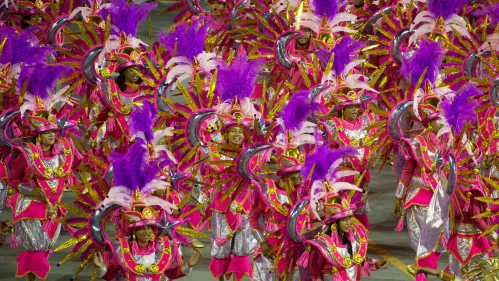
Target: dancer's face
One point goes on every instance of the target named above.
(216, 9)
(436, 127)
(235, 135)
(304, 39)
(47, 138)
(296, 178)
(130, 75)
(351, 113)
(345, 224)
(143, 234)
(36, 18)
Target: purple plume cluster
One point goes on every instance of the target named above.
(297, 110)
(327, 7)
(461, 108)
(125, 17)
(344, 53)
(238, 79)
(492, 11)
(134, 169)
(323, 158)
(42, 78)
(430, 54)
(446, 8)
(189, 40)
(22, 48)
(141, 121)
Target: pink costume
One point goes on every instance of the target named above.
(352, 133)
(4, 188)
(33, 216)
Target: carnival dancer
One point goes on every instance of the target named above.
(339, 251)
(39, 173)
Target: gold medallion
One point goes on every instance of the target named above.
(154, 268)
(140, 268)
(49, 173)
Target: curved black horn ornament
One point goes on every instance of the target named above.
(494, 92)
(280, 48)
(471, 62)
(194, 123)
(374, 18)
(244, 159)
(193, 7)
(87, 66)
(95, 226)
(4, 121)
(397, 41)
(293, 234)
(452, 178)
(394, 131)
(311, 97)
(234, 14)
(161, 91)
(51, 34)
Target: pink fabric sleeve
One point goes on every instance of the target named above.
(174, 273)
(255, 212)
(317, 264)
(408, 172)
(113, 268)
(102, 116)
(18, 173)
(476, 209)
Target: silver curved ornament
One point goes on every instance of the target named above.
(109, 176)
(264, 126)
(95, 226)
(397, 41)
(4, 121)
(311, 97)
(267, 15)
(451, 185)
(4, 12)
(244, 159)
(234, 14)
(193, 124)
(51, 34)
(162, 91)
(280, 48)
(87, 65)
(471, 62)
(494, 92)
(440, 161)
(193, 7)
(293, 233)
(374, 18)
(393, 121)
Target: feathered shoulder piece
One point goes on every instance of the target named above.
(344, 51)
(141, 121)
(126, 15)
(329, 10)
(426, 59)
(297, 110)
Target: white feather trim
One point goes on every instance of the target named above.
(417, 99)
(309, 24)
(156, 201)
(354, 82)
(351, 65)
(342, 17)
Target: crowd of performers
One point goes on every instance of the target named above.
(285, 107)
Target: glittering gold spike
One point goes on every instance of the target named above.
(107, 29)
(1, 45)
(408, 86)
(152, 68)
(490, 71)
(199, 206)
(222, 162)
(81, 249)
(74, 210)
(229, 192)
(85, 262)
(69, 78)
(173, 105)
(311, 173)
(179, 141)
(377, 76)
(488, 231)
(189, 155)
(329, 65)
(23, 92)
(493, 183)
(376, 125)
(420, 80)
(457, 34)
(53, 8)
(191, 232)
(68, 53)
(95, 34)
(493, 58)
(221, 150)
(290, 86)
(378, 111)
(305, 75)
(183, 202)
(71, 242)
(452, 59)
(84, 33)
(229, 147)
(265, 23)
(456, 48)
(278, 106)
(192, 104)
(94, 274)
(211, 89)
(383, 31)
(388, 21)
(160, 60)
(451, 70)
(478, 80)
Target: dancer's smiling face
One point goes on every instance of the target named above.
(235, 135)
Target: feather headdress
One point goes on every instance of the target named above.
(429, 55)
(41, 78)
(125, 17)
(141, 121)
(445, 8)
(492, 11)
(329, 9)
(344, 51)
(297, 110)
(461, 107)
(238, 78)
(325, 161)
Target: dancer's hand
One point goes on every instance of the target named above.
(98, 260)
(383, 264)
(5, 226)
(489, 160)
(266, 248)
(194, 259)
(38, 192)
(396, 207)
(427, 270)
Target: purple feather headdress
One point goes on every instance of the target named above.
(189, 40)
(141, 121)
(430, 54)
(446, 8)
(22, 48)
(41, 78)
(134, 170)
(237, 79)
(323, 158)
(327, 7)
(492, 11)
(125, 17)
(344, 53)
(461, 108)
(297, 110)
